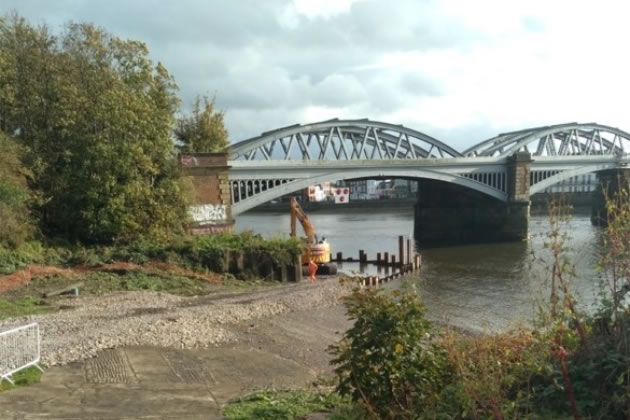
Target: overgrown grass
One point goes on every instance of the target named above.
(28, 376)
(289, 405)
(15, 307)
(200, 252)
(99, 283)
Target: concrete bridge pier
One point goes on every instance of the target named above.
(449, 214)
(610, 183)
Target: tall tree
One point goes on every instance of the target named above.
(15, 196)
(96, 115)
(204, 129)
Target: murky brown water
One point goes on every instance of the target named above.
(489, 286)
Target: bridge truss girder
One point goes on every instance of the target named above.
(570, 139)
(337, 140)
(287, 159)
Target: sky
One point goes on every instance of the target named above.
(458, 70)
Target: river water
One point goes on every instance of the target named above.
(489, 287)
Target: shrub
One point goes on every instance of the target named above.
(390, 359)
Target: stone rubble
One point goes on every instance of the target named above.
(89, 324)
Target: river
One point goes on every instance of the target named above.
(489, 287)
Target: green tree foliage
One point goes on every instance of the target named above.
(96, 115)
(204, 129)
(14, 195)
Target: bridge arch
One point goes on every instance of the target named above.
(299, 184)
(571, 139)
(341, 140)
(542, 185)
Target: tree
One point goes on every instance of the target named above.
(96, 115)
(17, 226)
(204, 129)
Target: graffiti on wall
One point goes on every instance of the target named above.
(208, 213)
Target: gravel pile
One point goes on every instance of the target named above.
(93, 323)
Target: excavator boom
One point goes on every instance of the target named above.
(298, 214)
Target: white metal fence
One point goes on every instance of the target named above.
(19, 349)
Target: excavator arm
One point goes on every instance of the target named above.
(298, 214)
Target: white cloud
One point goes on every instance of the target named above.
(459, 70)
(322, 8)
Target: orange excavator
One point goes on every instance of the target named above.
(316, 250)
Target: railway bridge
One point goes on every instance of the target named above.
(479, 194)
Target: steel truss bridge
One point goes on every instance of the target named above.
(288, 159)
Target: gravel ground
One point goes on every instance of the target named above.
(93, 323)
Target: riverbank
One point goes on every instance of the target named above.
(139, 355)
(87, 324)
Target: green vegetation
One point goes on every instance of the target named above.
(203, 253)
(204, 129)
(88, 168)
(520, 374)
(28, 376)
(288, 405)
(10, 308)
(390, 353)
(99, 283)
(88, 119)
(15, 196)
(187, 267)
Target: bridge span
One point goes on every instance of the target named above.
(507, 168)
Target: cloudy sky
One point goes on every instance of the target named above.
(459, 70)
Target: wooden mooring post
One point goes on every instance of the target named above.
(401, 250)
(409, 253)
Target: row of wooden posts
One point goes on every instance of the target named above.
(407, 261)
(377, 280)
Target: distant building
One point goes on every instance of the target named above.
(371, 189)
(396, 189)
(319, 192)
(576, 184)
(363, 189)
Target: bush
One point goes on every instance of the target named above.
(391, 360)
